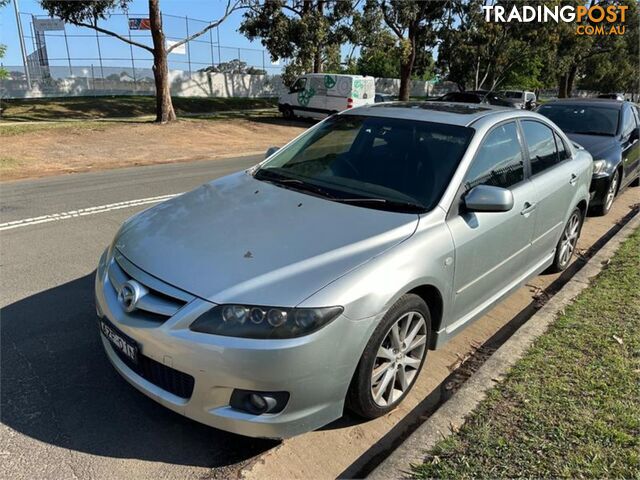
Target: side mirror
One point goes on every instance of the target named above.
(270, 151)
(635, 135)
(485, 198)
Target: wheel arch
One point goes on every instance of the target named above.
(433, 298)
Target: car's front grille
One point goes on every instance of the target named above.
(169, 379)
(159, 302)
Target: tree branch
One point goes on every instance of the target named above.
(389, 22)
(113, 34)
(227, 11)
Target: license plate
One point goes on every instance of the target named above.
(121, 342)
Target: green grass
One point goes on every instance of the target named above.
(86, 108)
(571, 406)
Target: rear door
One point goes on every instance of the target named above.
(554, 177)
(492, 248)
(630, 143)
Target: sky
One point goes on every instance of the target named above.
(84, 50)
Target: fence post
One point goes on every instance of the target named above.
(188, 45)
(66, 43)
(219, 54)
(211, 46)
(133, 63)
(100, 57)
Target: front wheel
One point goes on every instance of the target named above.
(392, 359)
(566, 246)
(607, 202)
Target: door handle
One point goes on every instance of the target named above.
(574, 179)
(528, 208)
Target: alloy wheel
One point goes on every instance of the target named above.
(569, 239)
(611, 193)
(399, 358)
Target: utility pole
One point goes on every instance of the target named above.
(22, 47)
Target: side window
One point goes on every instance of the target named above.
(299, 85)
(499, 160)
(542, 146)
(629, 123)
(563, 151)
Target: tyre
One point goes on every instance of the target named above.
(566, 246)
(607, 202)
(636, 182)
(392, 359)
(287, 112)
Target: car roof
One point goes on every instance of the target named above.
(608, 102)
(463, 114)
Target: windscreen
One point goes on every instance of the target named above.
(583, 119)
(374, 162)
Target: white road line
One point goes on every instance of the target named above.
(55, 217)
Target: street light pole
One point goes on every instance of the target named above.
(22, 47)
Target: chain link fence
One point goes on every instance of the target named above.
(59, 51)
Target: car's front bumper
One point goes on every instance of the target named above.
(316, 369)
(599, 187)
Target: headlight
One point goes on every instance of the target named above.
(599, 166)
(255, 321)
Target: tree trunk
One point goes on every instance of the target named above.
(317, 61)
(571, 78)
(562, 86)
(406, 67)
(164, 106)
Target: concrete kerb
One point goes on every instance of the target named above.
(451, 416)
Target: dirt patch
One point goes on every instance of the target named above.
(100, 145)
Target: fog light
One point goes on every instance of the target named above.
(258, 403)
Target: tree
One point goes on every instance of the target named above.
(235, 66)
(306, 31)
(86, 13)
(3, 48)
(477, 54)
(415, 24)
(585, 58)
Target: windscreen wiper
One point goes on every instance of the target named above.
(409, 206)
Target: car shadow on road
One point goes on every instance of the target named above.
(58, 387)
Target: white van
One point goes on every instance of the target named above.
(317, 95)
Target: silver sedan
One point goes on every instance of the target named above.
(264, 302)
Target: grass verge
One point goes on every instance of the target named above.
(571, 406)
(86, 108)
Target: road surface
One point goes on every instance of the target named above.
(65, 412)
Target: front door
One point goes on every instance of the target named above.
(492, 248)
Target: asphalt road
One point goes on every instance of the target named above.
(65, 412)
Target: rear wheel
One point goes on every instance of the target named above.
(636, 182)
(287, 112)
(566, 246)
(392, 359)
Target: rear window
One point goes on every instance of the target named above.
(583, 119)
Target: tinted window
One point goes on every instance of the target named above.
(583, 119)
(629, 123)
(462, 97)
(563, 151)
(498, 161)
(351, 157)
(542, 146)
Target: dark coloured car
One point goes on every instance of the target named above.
(612, 96)
(610, 131)
(384, 97)
(480, 96)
